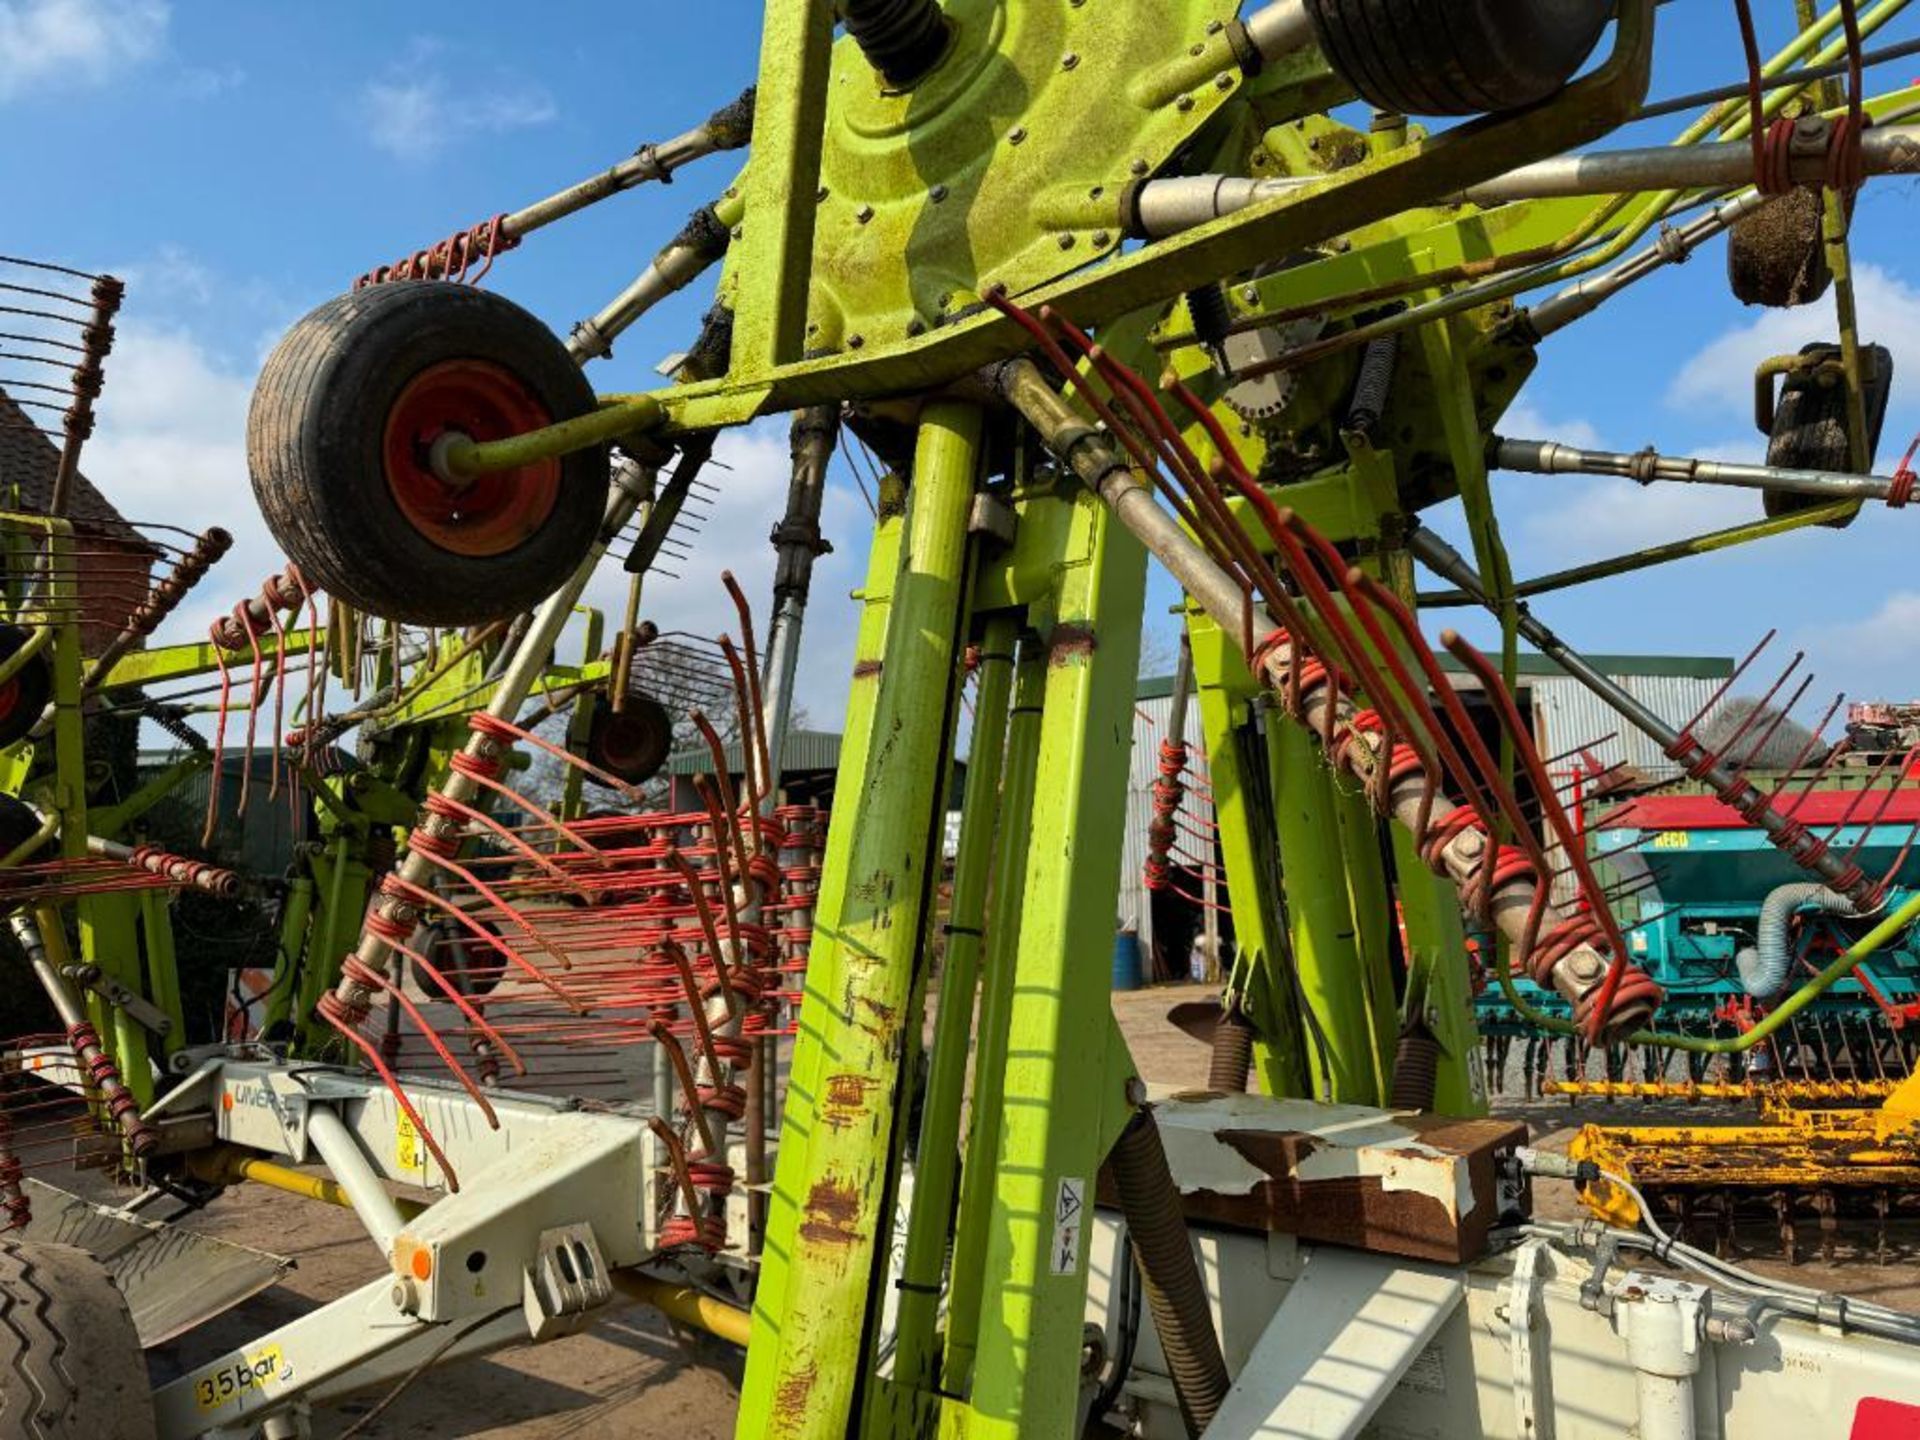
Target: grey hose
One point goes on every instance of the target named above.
(1765, 965)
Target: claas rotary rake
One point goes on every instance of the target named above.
(1098, 284)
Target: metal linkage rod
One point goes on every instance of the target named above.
(93, 1060)
(728, 128)
(1579, 972)
(797, 544)
(1674, 247)
(1167, 207)
(1549, 457)
(701, 241)
(1781, 829)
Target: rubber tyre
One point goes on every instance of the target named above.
(25, 695)
(1457, 57)
(70, 1362)
(1810, 427)
(459, 961)
(632, 744)
(315, 437)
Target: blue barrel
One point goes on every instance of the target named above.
(1126, 961)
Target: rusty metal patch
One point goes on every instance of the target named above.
(832, 1214)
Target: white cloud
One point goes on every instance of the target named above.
(49, 44)
(171, 448)
(1875, 657)
(1719, 378)
(414, 111)
(1526, 421)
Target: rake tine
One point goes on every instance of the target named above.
(689, 1086)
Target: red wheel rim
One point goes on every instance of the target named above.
(492, 513)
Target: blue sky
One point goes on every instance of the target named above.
(240, 162)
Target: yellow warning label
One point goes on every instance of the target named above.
(408, 1152)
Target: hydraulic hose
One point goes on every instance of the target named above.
(1175, 1294)
(1764, 966)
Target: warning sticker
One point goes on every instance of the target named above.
(408, 1152)
(1069, 1222)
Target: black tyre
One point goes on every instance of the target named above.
(1810, 424)
(469, 964)
(1775, 256)
(632, 743)
(24, 695)
(70, 1362)
(345, 414)
(1457, 57)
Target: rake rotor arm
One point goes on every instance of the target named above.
(1090, 453)
(1549, 457)
(1831, 866)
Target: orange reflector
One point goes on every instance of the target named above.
(423, 1264)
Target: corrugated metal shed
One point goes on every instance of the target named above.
(1565, 716)
(806, 750)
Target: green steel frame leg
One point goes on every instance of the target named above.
(827, 1213)
(996, 1002)
(1320, 919)
(931, 1210)
(1258, 925)
(1056, 1105)
(163, 975)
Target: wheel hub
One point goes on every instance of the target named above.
(478, 515)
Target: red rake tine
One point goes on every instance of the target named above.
(704, 913)
(520, 802)
(723, 779)
(1489, 676)
(511, 733)
(689, 1086)
(750, 760)
(677, 1159)
(463, 1004)
(769, 781)
(392, 1082)
(513, 957)
(1222, 535)
(697, 1004)
(520, 846)
(373, 979)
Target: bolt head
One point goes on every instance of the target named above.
(1016, 135)
(1100, 238)
(1223, 81)
(1066, 242)
(1183, 104)
(1250, 295)
(863, 214)
(937, 194)
(1069, 61)
(1138, 168)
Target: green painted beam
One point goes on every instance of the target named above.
(828, 1210)
(1056, 1095)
